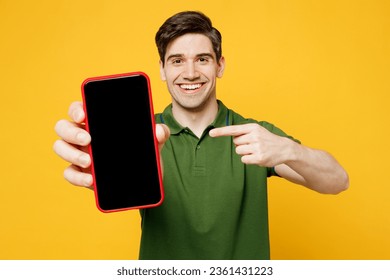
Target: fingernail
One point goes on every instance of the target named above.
(77, 116)
(84, 160)
(88, 181)
(82, 137)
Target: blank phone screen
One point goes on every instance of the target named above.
(123, 148)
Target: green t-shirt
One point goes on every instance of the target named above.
(215, 207)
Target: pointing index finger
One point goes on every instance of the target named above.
(231, 130)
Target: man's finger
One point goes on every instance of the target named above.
(71, 154)
(231, 130)
(71, 133)
(74, 176)
(76, 112)
(162, 133)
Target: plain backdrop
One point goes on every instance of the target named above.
(317, 69)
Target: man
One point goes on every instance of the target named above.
(215, 161)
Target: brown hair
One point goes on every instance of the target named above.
(187, 22)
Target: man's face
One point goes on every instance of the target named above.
(191, 70)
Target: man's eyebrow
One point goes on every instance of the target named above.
(205, 54)
(176, 55)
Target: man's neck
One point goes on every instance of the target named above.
(196, 120)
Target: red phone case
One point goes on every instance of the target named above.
(157, 158)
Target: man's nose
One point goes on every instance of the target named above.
(190, 71)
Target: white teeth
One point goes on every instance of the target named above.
(191, 87)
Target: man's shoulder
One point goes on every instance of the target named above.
(157, 118)
(240, 119)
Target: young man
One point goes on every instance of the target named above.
(215, 161)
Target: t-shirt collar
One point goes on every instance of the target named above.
(222, 118)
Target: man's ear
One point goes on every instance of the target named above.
(162, 72)
(221, 67)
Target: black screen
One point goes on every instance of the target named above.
(119, 119)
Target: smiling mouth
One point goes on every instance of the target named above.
(190, 86)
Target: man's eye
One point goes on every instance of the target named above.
(203, 60)
(176, 61)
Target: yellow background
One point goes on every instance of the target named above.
(317, 69)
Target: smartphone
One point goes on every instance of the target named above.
(125, 159)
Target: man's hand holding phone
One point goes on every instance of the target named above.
(113, 144)
(73, 145)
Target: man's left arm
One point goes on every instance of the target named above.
(315, 169)
(312, 168)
